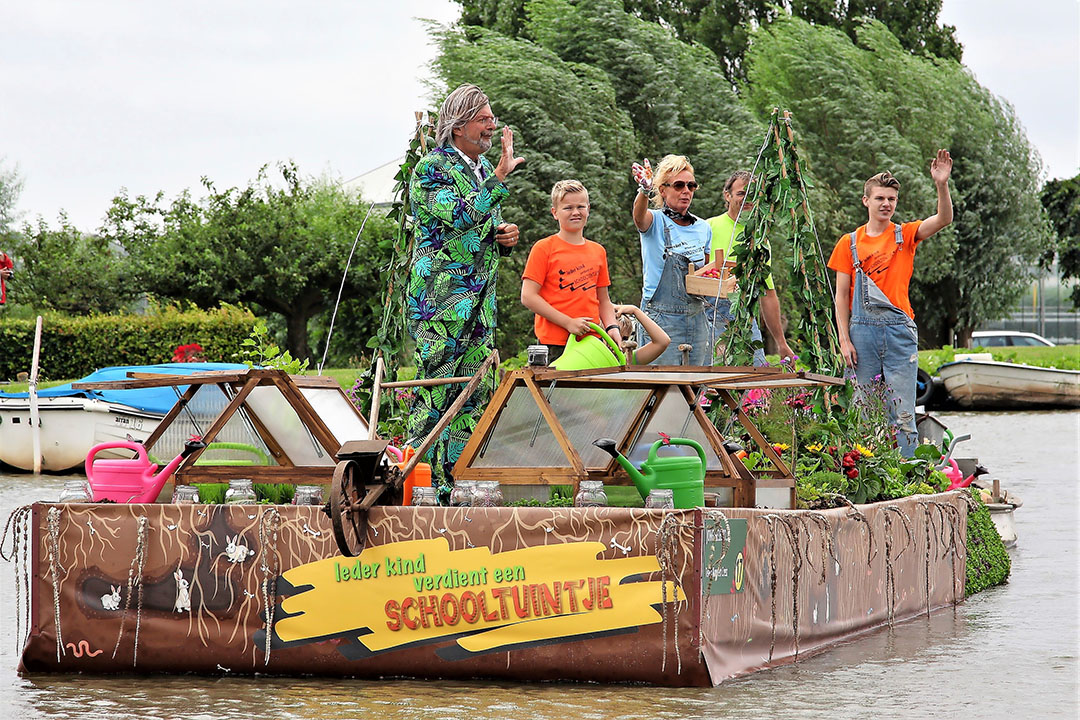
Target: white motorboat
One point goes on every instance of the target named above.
(72, 421)
(978, 381)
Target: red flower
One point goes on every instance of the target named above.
(853, 473)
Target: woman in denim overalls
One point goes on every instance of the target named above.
(673, 242)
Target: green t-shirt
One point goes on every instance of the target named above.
(723, 238)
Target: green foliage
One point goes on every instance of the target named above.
(71, 347)
(589, 93)
(725, 26)
(1061, 198)
(70, 271)
(862, 108)
(260, 350)
(278, 243)
(10, 187)
(268, 493)
(782, 209)
(988, 562)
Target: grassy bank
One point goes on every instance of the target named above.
(1062, 357)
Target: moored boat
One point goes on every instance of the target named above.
(985, 383)
(73, 420)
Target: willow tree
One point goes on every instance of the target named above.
(867, 106)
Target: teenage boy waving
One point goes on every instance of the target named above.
(878, 335)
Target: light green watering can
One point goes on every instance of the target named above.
(590, 352)
(682, 474)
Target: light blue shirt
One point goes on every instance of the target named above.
(692, 242)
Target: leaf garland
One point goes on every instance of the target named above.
(779, 193)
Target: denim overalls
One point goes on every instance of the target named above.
(681, 315)
(886, 345)
(718, 316)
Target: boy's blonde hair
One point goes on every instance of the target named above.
(882, 179)
(670, 166)
(564, 187)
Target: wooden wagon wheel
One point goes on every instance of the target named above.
(349, 522)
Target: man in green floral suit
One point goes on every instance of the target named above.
(455, 196)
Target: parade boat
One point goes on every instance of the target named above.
(366, 587)
(74, 419)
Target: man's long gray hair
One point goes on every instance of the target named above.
(458, 108)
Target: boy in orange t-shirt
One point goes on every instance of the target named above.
(874, 319)
(566, 277)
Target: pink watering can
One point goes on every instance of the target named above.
(133, 480)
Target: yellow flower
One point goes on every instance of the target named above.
(781, 446)
(864, 451)
(816, 447)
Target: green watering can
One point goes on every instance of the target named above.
(683, 475)
(590, 352)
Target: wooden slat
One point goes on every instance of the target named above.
(487, 420)
(219, 422)
(556, 428)
(308, 416)
(765, 445)
(257, 473)
(175, 410)
(427, 382)
(276, 451)
(147, 380)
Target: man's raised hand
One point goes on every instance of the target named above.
(507, 162)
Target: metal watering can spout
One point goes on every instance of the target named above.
(645, 482)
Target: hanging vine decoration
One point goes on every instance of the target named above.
(781, 205)
(390, 340)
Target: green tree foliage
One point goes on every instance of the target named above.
(69, 270)
(866, 107)
(281, 245)
(594, 91)
(10, 187)
(1061, 198)
(726, 26)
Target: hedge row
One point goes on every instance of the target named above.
(72, 347)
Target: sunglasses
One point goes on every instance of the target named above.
(680, 185)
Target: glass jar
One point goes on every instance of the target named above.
(591, 494)
(660, 499)
(463, 493)
(76, 491)
(185, 495)
(240, 492)
(488, 494)
(423, 496)
(308, 495)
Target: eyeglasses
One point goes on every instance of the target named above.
(492, 121)
(680, 185)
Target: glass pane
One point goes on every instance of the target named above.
(285, 427)
(201, 412)
(340, 415)
(674, 418)
(522, 438)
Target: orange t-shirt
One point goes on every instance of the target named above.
(888, 266)
(568, 276)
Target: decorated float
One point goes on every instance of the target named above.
(775, 548)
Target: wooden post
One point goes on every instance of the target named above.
(376, 391)
(35, 420)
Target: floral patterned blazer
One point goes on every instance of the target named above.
(455, 257)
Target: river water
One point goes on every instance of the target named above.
(1009, 652)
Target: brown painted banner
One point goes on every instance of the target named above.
(597, 594)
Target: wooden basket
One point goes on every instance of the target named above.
(698, 284)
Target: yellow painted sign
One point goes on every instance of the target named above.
(421, 591)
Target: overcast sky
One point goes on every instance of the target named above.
(99, 95)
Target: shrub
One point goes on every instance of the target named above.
(74, 346)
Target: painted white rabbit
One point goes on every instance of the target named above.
(183, 596)
(111, 601)
(236, 551)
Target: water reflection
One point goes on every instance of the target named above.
(1006, 653)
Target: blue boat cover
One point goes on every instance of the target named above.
(156, 400)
